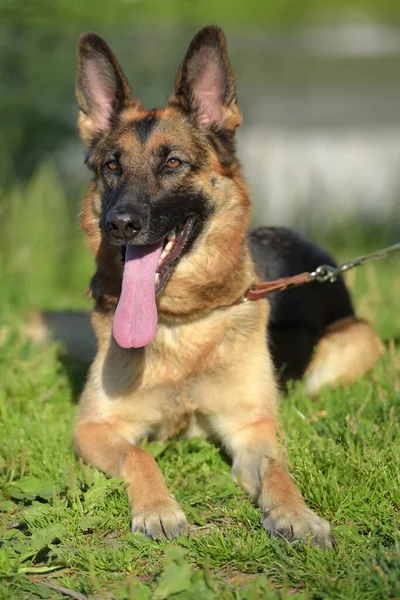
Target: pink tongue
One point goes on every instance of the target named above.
(135, 318)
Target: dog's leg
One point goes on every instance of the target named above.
(348, 349)
(155, 512)
(258, 460)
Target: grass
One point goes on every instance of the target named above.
(65, 526)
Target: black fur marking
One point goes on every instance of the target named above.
(93, 152)
(224, 145)
(173, 210)
(90, 163)
(144, 127)
(159, 215)
(164, 151)
(299, 316)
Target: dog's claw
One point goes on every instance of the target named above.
(299, 525)
(165, 521)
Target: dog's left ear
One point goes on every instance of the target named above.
(205, 85)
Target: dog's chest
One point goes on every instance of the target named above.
(185, 424)
(180, 412)
(169, 389)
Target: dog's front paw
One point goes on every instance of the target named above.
(298, 525)
(160, 520)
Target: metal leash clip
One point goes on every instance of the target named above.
(325, 273)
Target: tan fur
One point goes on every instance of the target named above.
(347, 351)
(217, 367)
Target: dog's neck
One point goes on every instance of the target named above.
(216, 273)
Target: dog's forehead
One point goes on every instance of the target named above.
(147, 130)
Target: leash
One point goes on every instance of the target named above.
(322, 274)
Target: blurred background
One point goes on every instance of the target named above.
(319, 86)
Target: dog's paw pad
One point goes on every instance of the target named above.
(161, 521)
(298, 525)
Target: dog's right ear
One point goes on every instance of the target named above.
(102, 89)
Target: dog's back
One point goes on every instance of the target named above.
(298, 316)
(312, 330)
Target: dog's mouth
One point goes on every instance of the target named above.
(174, 245)
(146, 272)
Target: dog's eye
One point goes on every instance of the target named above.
(112, 165)
(173, 163)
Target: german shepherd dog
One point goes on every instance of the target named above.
(167, 219)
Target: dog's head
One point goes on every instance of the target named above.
(168, 193)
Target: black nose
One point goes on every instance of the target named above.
(123, 227)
